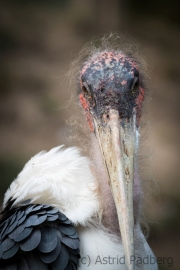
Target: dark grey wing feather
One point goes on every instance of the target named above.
(72, 243)
(37, 207)
(52, 218)
(24, 234)
(68, 230)
(42, 212)
(7, 244)
(67, 221)
(32, 241)
(10, 252)
(62, 217)
(41, 219)
(62, 260)
(51, 256)
(35, 220)
(37, 237)
(20, 214)
(46, 206)
(31, 221)
(52, 211)
(17, 231)
(12, 227)
(48, 239)
(13, 219)
(29, 209)
(20, 221)
(4, 226)
(75, 235)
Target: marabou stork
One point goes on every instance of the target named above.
(68, 211)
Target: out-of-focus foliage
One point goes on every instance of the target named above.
(163, 9)
(60, 3)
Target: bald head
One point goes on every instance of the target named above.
(111, 80)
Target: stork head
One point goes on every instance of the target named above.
(108, 81)
(111, 95)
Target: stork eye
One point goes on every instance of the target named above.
(86, 90)
(135, 82)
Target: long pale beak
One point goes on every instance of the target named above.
(117, 143)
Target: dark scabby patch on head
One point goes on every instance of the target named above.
(112, 81)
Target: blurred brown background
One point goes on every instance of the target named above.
(38, 41)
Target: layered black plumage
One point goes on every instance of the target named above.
(34, 236)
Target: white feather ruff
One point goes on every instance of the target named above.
(103, 251)
(96, 247)
(62, 178)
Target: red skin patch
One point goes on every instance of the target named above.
(123, 82)
(85, 105)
